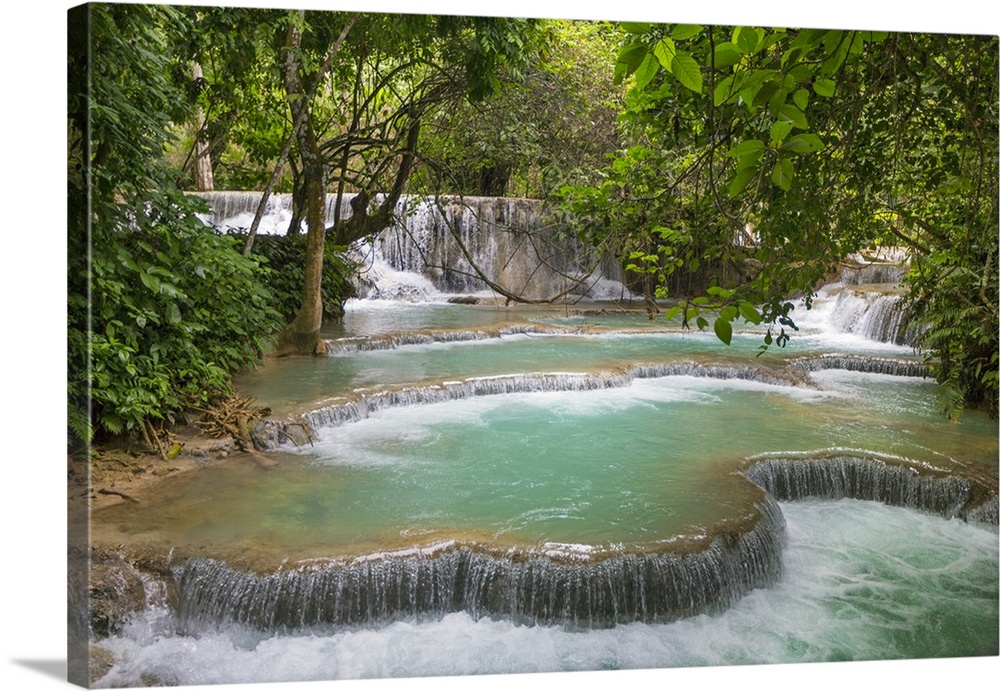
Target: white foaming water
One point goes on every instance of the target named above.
(824, 325)
(862, 581)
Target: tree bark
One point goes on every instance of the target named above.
(204, 180)
(301, 335)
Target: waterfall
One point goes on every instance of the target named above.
(527, 587)
(840, 476)
(862, 273)
(516, 243)
(393, 341)
(897, 367)
(877, 316)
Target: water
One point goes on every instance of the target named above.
(862, 581)
(497, 489)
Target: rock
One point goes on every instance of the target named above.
(116, 591)
(298, 433)
(464, 300)
(99, 662)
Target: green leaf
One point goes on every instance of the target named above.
(726, 55)
(749, 312)
(783, 173)
(747, 38)
(150, 281)
(792, 114)
(665, 50)
(636, 27)
(724, 330)
(780, 130)
(672, 313)
(723, 91)
(629, 59)
(801, 98)
(687, 71)
(701, 322)
(742, 179)
(683, 32)
(747, 147)
(173, 313)
(825, 87)
(803, 144)
(647, 70)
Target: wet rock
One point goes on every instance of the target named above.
(116, 592)
(99, 663)
(299, 433)
(464, 300)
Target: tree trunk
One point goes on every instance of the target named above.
(301, 336)
(204, 180)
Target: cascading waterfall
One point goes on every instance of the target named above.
(364, 404)
(514, 242)
(339, 545)
(527, 588)
(393, 341)
(877, 316)
(866, 273)
(840, 476)
(896, 367)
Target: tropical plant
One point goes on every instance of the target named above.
(781, 152)
(162, 311)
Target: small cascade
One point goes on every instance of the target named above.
(985, 515)
(340, 346)
(897, 367)
(367, 403)
(875, 315)
(864, 273)
(851, 476)
(527, 587)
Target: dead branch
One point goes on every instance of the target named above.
(232, 417)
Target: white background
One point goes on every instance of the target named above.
(32, 393)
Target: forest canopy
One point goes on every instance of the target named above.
(734, 166)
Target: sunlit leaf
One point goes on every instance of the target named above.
(825, 87)
(647, 70)
(636, 27)
(665, 50)
(687, 71)
(682, 32)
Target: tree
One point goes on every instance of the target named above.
(392, 71)
(552, 124)
(778, 152)
(162, 312)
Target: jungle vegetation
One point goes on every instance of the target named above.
(735, 166)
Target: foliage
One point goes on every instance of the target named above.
(549, 125)
(783, 151)
(162, 312)
(176, 311)
(283, 257)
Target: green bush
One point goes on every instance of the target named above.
(175, 311)
(285, 259)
